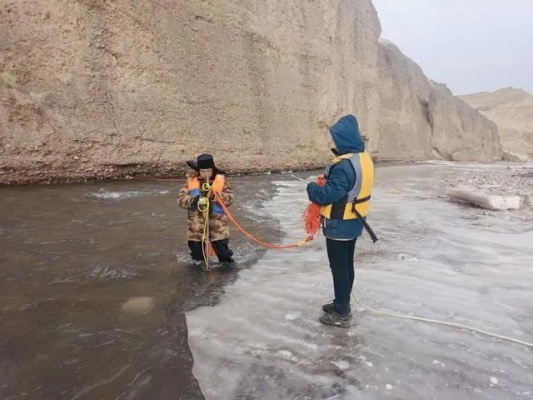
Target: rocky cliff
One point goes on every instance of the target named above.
(512, 110)
(420, 119)
(103, 88)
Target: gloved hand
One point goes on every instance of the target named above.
(194, 201)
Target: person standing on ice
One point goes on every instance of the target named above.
(344, 202)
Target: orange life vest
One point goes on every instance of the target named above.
(216, 186)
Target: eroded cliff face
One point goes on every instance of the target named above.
(421, 119)
(102, 88)
(512, 110)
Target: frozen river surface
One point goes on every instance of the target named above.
(435, 259)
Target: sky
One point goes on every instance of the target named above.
(470, 45)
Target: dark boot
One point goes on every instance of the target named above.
(197, 254)
(224, 254)
(329, 308)
(200, 264)
(336, 319)
(226, 264)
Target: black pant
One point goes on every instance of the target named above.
(341, 262)
(224, 254)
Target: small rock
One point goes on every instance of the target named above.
(138, 305)
(342, 365)
(493, 380)
(388, 386)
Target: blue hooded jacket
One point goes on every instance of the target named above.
(345, 133)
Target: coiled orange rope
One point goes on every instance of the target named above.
(311, 214)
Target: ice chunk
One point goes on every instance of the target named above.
(343, 365)
(285, 353)
(291, 317)
(488, 201)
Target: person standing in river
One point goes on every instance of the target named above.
(192, 197)
(344, 202)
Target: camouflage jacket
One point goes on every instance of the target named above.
(218, 223)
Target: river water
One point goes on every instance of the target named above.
(99, 302)
(94, 283)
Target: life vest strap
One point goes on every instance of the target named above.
(362, 200)
(366, 226)
(359, 201)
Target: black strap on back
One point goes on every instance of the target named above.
(363, 219)
(367, 227)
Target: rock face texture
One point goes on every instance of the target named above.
(512, 110)
(421, 119)
(106, 88)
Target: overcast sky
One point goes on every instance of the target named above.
(471, 45)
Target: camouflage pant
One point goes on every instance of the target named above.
(218, 227)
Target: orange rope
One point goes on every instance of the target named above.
(253, 238)
(311, 214)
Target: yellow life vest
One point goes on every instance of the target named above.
(217, 185)
(358, 198)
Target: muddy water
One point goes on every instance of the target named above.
(94, 283)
